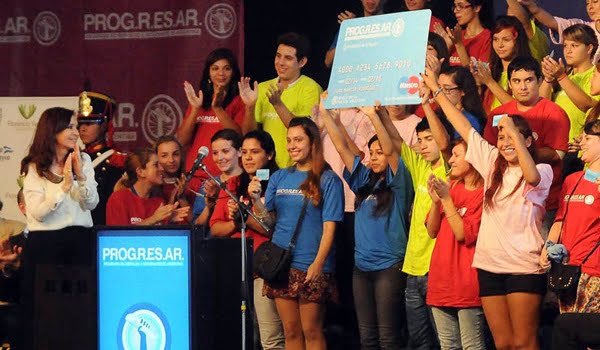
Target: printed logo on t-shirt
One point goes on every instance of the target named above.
(207, 119)
(462, 211)
(580, 198)
(271, 115)
(289, 192)
(135, 220)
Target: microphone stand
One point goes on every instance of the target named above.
(243, 209)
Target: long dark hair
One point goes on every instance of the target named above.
(43, 148)
(486, 14)
(378, 187)
(471, 101)
(266, 143)
(501, 164)
(521, 43)
(311, 187)
(171, 138)
(137, 159)
(206, 85)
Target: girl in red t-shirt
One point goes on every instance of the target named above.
(216, 106)
(136, 204)
(454, 218)
(469, 39)
(577, 225)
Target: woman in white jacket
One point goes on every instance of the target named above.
(59, 185)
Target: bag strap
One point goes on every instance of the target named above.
(292, 244)
(567, 209)
(565, 220)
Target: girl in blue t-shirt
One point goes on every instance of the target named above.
(384, 193)
(311, 283)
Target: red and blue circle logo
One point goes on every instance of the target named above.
(410, 84)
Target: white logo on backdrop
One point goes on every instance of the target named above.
(161, 116)
(220, 21)
(46, 28)
(141, 25)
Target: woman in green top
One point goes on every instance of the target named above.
(569, 85)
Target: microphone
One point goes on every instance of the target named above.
(202, 153)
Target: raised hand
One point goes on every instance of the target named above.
(248, 95)
(68, 174)
(439, 30)
(556, 69)
(178, 190)
(77, 164)
(424, 93)
(179, 214)
(345, 15)
(429, 79)
(434, 64)
(254, 189)
(193, 99)
(481, 72)
(431, 190)
(441, 188)
(455, 34)
(233, 209)
(506, 123)
(163, 212)
(211, 188)
(218, 96)
(274, 94)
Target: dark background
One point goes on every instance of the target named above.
(317, 19)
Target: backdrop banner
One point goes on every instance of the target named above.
(138, 52)
(18, 119)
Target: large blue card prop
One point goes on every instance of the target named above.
(379, 58)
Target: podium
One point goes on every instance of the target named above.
(134, 288)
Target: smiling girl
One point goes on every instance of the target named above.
(216, 106)
(511, 281)
(311, 282)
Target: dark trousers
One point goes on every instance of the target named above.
(576, 331)
(379, 306)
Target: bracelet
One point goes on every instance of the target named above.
(549, 81)
(261, 215)
(451, 215)
(564, 75)
(437, 92)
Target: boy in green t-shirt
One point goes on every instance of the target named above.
(420, 246)
(275, 102)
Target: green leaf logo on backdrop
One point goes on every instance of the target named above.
(27, 111)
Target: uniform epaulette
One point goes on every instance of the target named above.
(117, 159)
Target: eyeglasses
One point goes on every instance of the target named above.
(448, 90)
(460, 7)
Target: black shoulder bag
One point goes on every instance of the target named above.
(562, 278)
(271, 262)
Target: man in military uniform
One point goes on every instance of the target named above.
(95, 130)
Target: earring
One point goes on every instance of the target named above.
(210, 82)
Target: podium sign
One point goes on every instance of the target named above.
(144, 289)
(379, 58)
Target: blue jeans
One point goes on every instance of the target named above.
(379, 306)
(418, 315)
(460, 328)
